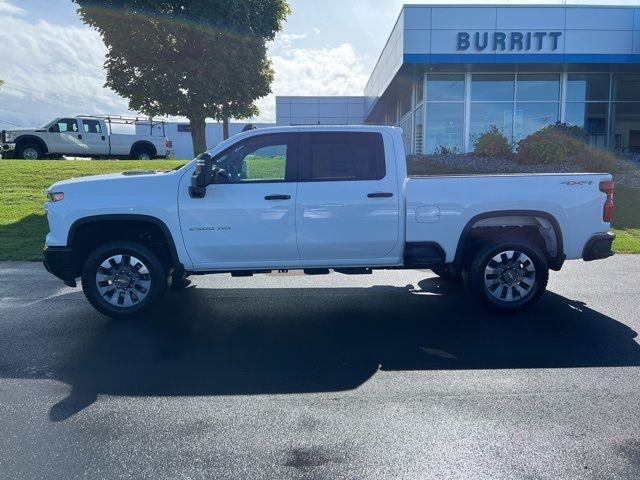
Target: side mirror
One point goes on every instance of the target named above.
(202, 176)
(54, 128)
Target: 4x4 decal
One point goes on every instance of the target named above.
(577, 184)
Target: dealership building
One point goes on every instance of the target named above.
(449, 72)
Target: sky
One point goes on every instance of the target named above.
(52, 63)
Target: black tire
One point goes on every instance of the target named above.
(142, 153)
(448, 274)
(29, 151)
(179, 282)
(157, 280)
(525, 289)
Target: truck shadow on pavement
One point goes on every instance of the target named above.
(267, 341)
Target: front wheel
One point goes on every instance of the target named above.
(29, 152)
(508, 275)
(124, 279)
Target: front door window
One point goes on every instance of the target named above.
(65, 125)
(259, 159)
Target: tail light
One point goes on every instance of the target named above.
(607, 214)
(168, 143)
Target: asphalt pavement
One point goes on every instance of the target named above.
(391, 375)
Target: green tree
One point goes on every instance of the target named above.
(194, 58)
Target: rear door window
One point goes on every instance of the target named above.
(342, 156)
(92, 126)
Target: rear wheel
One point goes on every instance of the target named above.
(508, 275)
(142, 153)
(29, 152)
(124, 279)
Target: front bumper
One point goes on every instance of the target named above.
(599, 247)
(59, 262)
(6, 148)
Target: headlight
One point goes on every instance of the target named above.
(9, 136)
(55, 196)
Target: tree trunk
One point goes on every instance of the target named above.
(225, 128)
(198, 134)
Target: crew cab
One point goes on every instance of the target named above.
(315, 199)
(81, 136)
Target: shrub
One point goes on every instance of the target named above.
(446, 150)
(543, 151)
(492, 143)
(596, 160)
(552, 144)
(572, 131)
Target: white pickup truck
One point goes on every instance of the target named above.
(314, 199)
(90, 137)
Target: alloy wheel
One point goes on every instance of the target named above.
(30, 153)
(510, 276)
(123, 280)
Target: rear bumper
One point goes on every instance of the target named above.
(59, 262)
(599, 247)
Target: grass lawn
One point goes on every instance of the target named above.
(23, 186)
(626, 220)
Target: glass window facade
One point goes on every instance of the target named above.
(626, 88)
(626, 126)
(591, 116)
(521, 104)
(531, 117)
(444, 126)
(588, 87)
(538, 88)
(456, 108)
(492, 88)
(418, 129)
(445, 88)
(486, 115)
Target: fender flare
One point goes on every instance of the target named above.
(173, 252)
(555, 263)
(33, 138)
(146, 144)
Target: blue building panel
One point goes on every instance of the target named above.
(456, 18)
(527, 18)
(583, 18)
(417, 18)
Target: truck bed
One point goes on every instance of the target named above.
(439, 208)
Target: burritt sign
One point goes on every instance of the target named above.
(512, 41)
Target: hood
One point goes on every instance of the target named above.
(119, 178)
(20, 129)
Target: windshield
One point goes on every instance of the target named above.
(48, 124)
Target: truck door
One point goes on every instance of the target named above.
(64, 137)
(348, 198)
(94, 137)
(249, 221)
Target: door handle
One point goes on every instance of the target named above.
(79, 137)
(380, 195)
(103, 137)
(277, 197)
